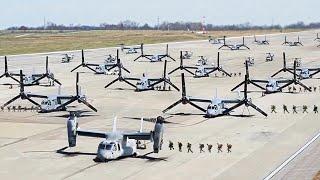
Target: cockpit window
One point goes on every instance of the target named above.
(101, 146)
(109, 146)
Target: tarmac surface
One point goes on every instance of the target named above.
(33, 145)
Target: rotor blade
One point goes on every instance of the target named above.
(171, 58)
(188, 71)
(213, 70)
(174, 70)
(67, 103)
(10, 101)
(32, 101)
(301, 84)
(76, 67)
(257, 85)
(233, 107)
(225, 72)
(257, 108)
(111, 82)
(129, 83)
(125, 69)
(90, 68)
(113, 66)
(87, 104)
(137, 58)
(183, 85)
(289, 83)
(55, 80)
(314, 73)
(171, 84)
(157, 82)
(172, 105)
(277, 72)
(196, 106)
(238, 86)
(14, 79)
(37, 80)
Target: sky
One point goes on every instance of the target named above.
(217, 12)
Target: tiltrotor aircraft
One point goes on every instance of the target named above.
(130, 49)
(117, 144)
(155, 57)
(66, 58)
(217, 106)
(261, 42)
(292, 43)
(234, 46)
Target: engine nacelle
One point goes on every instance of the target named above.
(72, 126)
(158, 134)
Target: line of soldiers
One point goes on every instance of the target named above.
(294, 89)
(201, 147)
(19, 108)
(232, 74)
(159, 88)
(294, 109)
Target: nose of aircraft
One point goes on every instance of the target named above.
(101, 156)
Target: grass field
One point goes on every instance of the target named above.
(36, 42)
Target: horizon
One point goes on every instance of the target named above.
(34, 13)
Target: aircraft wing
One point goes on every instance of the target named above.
(190, 67)
(92, 64)
(297, 69)
(284, 81)
(37, 96)
(314, 69)
(200, 100)
(138, 135)
(133, 79)
(229, 101)
(65, 97)
(259, 81)
(92, 134)
(154, 79)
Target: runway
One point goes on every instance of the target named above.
(29, 141)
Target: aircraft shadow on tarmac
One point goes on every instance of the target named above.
(145, 156)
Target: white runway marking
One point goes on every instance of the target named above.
(286, 162)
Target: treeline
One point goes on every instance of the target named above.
(191, 26)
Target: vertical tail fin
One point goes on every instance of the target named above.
(21, 82)
(218, 60)
(142, 49)
(181, 59)
(5, 65)
(284, 60)
(82, 56)
(47, 65)
(247, 68)
(77, 84)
